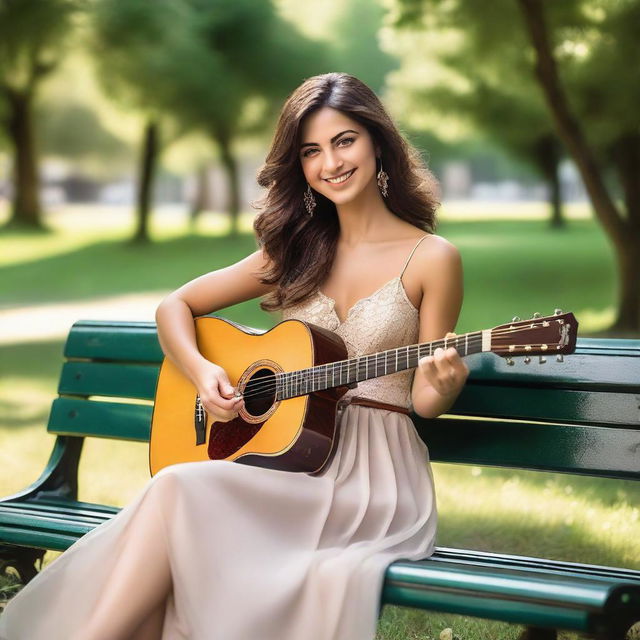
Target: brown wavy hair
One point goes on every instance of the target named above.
(301, 249)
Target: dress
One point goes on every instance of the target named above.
(261, 554)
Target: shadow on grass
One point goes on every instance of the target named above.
(117, 267)
(41, 360)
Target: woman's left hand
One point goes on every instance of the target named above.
(445, 371)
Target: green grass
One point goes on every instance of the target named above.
(511, 268)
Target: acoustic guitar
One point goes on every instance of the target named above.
(291, 378)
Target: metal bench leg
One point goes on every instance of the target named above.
(26, 562)
(538, 633)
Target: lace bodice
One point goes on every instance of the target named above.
(383, 320)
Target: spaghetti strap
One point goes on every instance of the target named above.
(406, 264)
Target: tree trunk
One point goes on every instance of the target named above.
(201, 198)
(25, 210)
(626, 156)
(571, 134)
(231, 167)
(547, 155)
(148, 163)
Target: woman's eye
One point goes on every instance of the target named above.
(308, 152)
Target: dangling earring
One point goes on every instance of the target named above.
(309, 201)
(383, 180)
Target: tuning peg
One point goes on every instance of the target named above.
(537, 315)
(542, 359)
(509, 361)
(557, 312)
(527, 359)
(559, 358)
(515, 319)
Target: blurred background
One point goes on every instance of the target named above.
(131, 132)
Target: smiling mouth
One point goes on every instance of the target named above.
(340, 179)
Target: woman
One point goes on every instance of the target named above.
(222, 550)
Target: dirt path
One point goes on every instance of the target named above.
(50, 321)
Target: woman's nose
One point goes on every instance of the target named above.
(332, 162)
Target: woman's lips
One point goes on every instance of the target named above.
(339, 184)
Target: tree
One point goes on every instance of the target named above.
(32, 35)
(581, 53)
(503, 109)
(218, 66)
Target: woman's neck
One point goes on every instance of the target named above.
(365, 219)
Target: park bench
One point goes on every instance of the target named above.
(578, 417)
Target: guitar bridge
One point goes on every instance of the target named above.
(200, 422)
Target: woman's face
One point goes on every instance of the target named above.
(336, 147)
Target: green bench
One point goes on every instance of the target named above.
(579, 417)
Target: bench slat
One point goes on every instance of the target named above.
(48, 522)
(568, 590)
(539, 565)
(599, 451)
(122, 421)
(25, 537)
(65, 506)
(106, 379)
(580, 370)
(105, 340)
(530, 614)
(554, 405)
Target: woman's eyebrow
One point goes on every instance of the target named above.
(315, 144)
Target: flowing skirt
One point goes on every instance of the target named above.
(259, 554)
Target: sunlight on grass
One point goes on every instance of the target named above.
(74, 226)
(461, 210)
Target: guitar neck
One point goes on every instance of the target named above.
(375, 365)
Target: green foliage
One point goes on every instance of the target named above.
(595, 43)
(73, 130)
(32, 35)
(200, 61)
(355, 43)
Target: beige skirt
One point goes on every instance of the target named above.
(259, 554)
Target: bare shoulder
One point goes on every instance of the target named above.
(435, 254)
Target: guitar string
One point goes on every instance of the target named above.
(266, 387)
(371, 360)
(473, 338)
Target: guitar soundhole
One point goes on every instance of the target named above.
(260, 392)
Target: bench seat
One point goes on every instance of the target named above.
(580, 417)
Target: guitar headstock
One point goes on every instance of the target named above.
(540, 335)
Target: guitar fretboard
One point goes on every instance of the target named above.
(345, 372)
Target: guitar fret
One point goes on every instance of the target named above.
(290, 384)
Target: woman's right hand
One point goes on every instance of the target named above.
(217, 393)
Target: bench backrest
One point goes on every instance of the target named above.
(578, 416)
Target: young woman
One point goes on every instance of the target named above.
(222, 550)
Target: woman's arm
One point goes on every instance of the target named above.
(439, 378)
(205, 294)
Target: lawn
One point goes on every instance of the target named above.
(512, 267)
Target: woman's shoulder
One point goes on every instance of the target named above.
(435, 247)
(434, 258)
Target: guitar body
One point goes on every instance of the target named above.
(296, 434)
